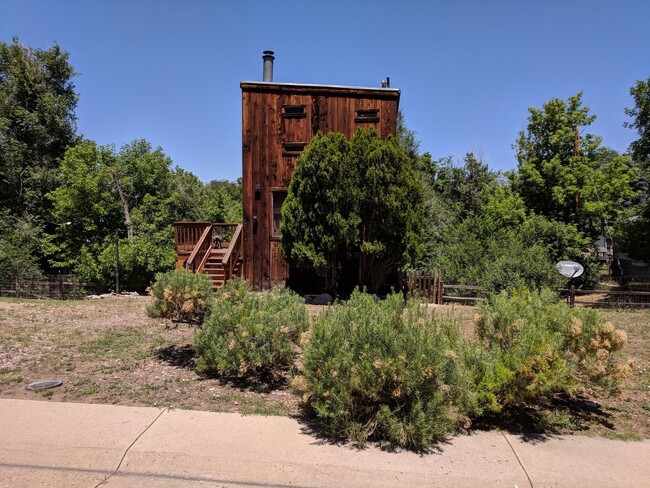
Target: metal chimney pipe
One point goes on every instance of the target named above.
(268, 65)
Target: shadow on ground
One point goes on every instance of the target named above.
(185, 357)
(178, 356)
(560, 415)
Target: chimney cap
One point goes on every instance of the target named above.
(268, 66)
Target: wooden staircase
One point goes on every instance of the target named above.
(216, 270)
(199, 249)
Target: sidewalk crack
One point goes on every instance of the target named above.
(105, 480)
(518, 460)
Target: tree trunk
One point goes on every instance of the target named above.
(124, 203)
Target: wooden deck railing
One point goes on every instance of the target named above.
(234, 252)
(201, 251)
(187, 234)
(196, 239)
(224, 232)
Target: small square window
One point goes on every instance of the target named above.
(293, 111)
(367, 115)
(292, 148)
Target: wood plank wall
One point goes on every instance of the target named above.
(264, 130)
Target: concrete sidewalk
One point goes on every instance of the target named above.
(78, 445)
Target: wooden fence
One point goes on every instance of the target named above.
(606, 298)
(429, 284)
(467, 294)
(57, 287)
(424, 283)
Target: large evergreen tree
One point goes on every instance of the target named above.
(360, 196)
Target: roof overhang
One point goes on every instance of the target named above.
(272, 87)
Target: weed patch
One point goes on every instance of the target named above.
(118, 343)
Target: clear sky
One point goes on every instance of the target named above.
(169, 70)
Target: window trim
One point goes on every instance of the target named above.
(291, 148)
(363, 115)
(287, 114)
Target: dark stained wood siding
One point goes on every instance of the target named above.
(264, 130)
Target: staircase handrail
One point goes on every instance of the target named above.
(233, 252)
(201, 251)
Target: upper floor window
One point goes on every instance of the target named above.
(293, 111)
(367, 115)
(292, 148)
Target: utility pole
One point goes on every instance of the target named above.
(117, 262)
(576, 150)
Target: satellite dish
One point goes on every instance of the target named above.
(570, 269)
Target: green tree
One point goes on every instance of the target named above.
(567, 177)
(406, 138)
(224, 202)
(464, 186)
(640, 149)
(357, 196)
(633, 233)
(37, 124)
(318, 216)
(20, 242)
(389, 202)
(133, 193)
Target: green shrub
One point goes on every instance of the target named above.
(181, 296)
(251, 334)
(384, 371)
(533, 346)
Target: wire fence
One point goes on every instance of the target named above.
(57, 287)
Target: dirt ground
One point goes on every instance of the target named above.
(109, 351)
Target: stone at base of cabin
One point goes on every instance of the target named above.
(323, 299)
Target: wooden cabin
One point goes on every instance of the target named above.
(278, 121)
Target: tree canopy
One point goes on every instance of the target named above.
(568, 176)
(37, 123)
(134, 194)
(640, 113)
(63, 199)
(358, 196)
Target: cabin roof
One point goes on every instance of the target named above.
(271, 86)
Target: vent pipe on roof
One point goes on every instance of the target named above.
(385, 83)
(268, 65)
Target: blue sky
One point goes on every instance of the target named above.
(169, 70)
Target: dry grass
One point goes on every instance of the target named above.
(629, 415)
(108, 351)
